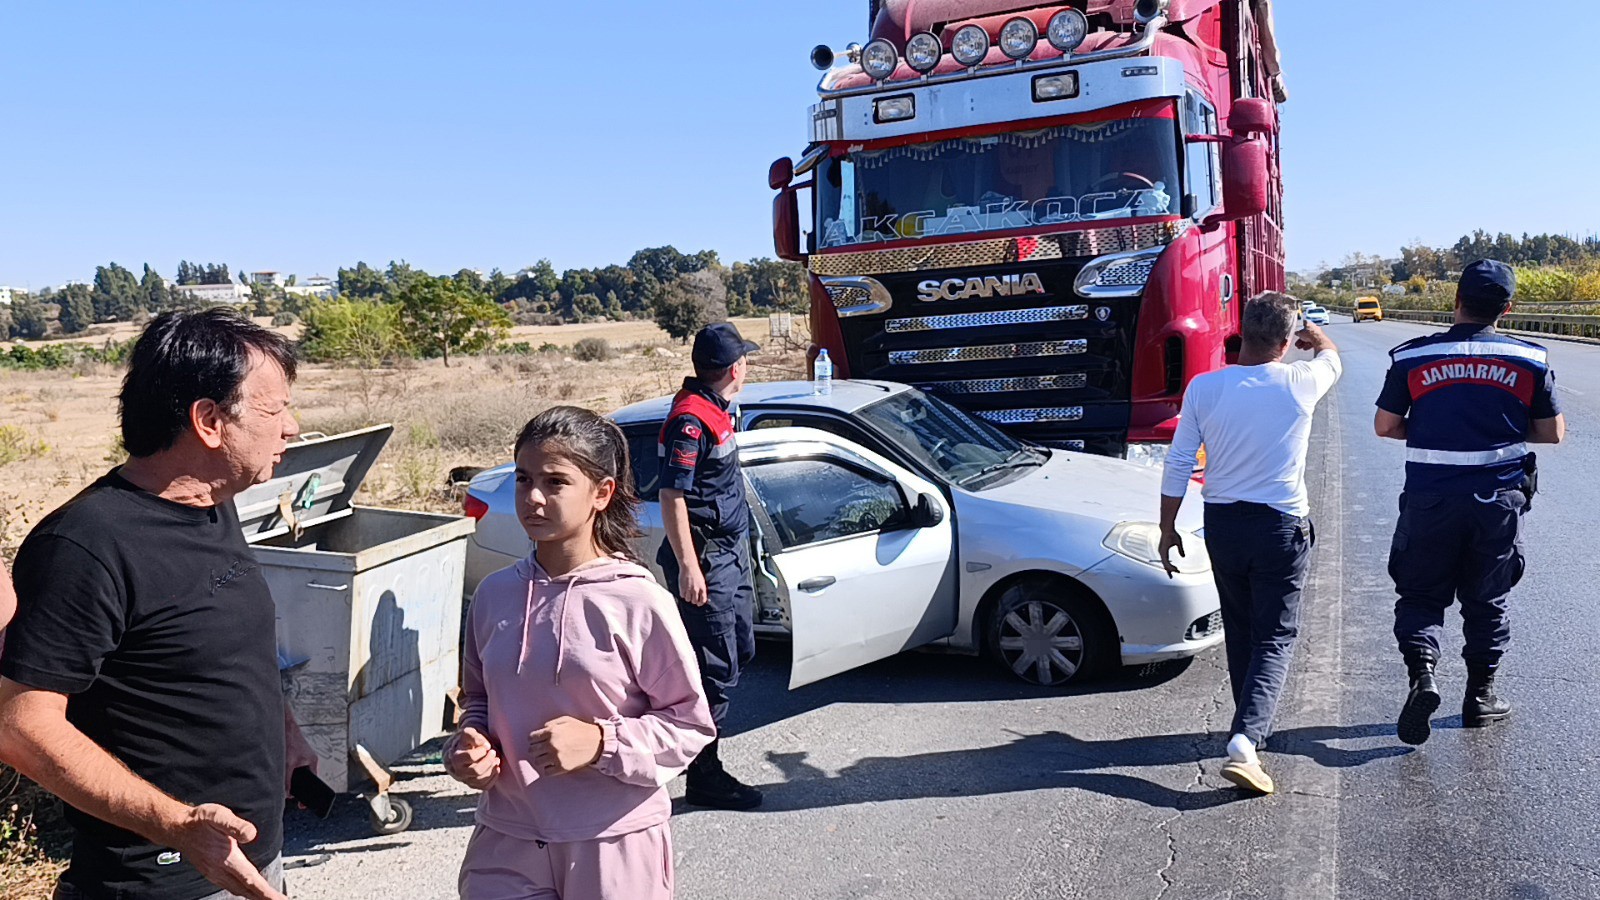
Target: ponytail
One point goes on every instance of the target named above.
(598, 448)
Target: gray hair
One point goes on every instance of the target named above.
(1269, 319)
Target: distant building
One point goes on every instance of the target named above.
(320, 286)
(236, 294)
(267, 278)
(8, 293)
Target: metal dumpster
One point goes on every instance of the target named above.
(368, 611)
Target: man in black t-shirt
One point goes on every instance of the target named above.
(140, 680)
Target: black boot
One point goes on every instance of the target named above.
(1481, 706)
(710, 785)
(1421, 702)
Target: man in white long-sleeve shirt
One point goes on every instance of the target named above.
(1254, 420)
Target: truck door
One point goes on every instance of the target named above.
(863, 573)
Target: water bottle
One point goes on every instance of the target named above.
(822, 380)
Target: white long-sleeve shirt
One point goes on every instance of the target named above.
(1255, 424)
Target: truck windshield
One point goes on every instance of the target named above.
(1118, 169)
(946, 440)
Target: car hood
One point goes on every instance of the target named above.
(1100, 487)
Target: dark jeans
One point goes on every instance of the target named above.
(1449, 547)
(722, 632)
(273, 873)
(1259, 558)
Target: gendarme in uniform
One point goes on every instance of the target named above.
(1468, 398)
(700, 458)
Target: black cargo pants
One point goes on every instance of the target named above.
(723, 631)
(1465, 547)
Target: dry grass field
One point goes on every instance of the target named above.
(59, 432)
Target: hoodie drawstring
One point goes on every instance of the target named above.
(527, 624)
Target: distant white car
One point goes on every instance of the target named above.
(886, 519)
(1317, 315)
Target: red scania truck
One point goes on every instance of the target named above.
(1046, 214)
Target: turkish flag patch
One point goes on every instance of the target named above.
(691, 430)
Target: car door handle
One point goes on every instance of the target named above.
(812, 585)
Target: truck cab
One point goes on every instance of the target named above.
(1046, 214)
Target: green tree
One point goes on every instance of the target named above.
(691, 302)
(117, 294)
(153, 291)
(439, 316)
(77, 308)
(362, 283)
(364, 333)
(28, 318)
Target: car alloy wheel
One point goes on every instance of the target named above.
(1045, 635)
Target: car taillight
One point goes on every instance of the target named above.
(475, 508)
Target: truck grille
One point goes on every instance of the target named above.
(1032, 416)
(987, 352)
(988, 319)
(1072, 382)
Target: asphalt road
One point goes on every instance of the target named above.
(938, 777)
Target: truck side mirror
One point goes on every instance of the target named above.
(1246, 181)
(928, 512)
(786, 225)
(1252, 116)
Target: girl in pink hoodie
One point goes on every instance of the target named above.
(582, 695)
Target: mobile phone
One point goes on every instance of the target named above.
(311, 792)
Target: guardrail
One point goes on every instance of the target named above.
(1577, 328)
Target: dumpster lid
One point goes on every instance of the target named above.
(313, 483)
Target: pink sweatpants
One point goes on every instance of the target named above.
(635, 866)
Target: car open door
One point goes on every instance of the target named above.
(861, 549)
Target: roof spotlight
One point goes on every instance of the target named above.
(970, 46)
(879, 59)
(1018, 38)
(923, 52)
(1068, 29)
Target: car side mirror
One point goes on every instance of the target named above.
(928, 512)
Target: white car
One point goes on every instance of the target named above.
(1317, 315)
(885, 519)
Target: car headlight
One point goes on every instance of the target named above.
(1141, 542)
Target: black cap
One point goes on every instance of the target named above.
(1488, 282)
(719, 345)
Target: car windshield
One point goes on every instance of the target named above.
(1117, 169)
(946, 440)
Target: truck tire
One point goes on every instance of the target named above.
(1049, 632)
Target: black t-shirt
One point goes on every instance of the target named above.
(156, 621)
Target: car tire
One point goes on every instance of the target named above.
(1049, 633)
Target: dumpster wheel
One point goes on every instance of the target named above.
(396, 816)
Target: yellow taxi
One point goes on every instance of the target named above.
(1369, 308)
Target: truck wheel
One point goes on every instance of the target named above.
(1049, 634)
(398, 820)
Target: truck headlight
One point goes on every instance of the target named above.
(1119, 274)
(879, 60)
(1141, 542)
(970, 45)
(1067, 30)
(1018, 38)
(923, 52)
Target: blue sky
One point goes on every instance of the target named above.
(299, 136)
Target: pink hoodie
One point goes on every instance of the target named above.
(604, 643)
